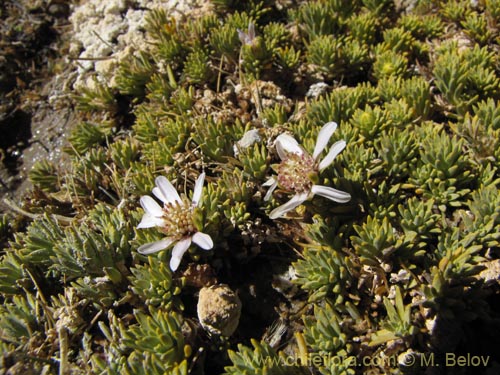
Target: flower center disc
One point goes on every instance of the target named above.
(178, 220)
(295, 172)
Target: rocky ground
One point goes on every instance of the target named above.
(48, 51)
(35, 113)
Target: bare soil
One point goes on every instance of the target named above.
(35, 111)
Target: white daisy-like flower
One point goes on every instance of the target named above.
(247, 38)
(298, 171)
(174, 219)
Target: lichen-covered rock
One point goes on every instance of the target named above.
(105, 33)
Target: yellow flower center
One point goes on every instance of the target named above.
(178, 218)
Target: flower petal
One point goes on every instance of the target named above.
(203, 240)
(178, 251)
(149, 221)
(198, 188)
(151, 207)
(296, 201)
(270, 182)
(251, 32)
(287, 144)
(158, 194)
(242, 36)
(332, 154)
(273, 184)
(153, 247)
(323, 137)
(167, 189)
(331, 193)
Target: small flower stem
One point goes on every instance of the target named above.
(19, 210)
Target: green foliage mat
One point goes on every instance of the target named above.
(407, 269)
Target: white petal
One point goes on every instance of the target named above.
(296, 200)
(332, 154)
(178, 251)
(271, 181)
(151, 207)
(149, 221)
(287, 144)
(242, 36)
(273, 184)
(153, 247)
(251, 32)
(331, 193)
(167, 189)
(323, 137)
(158, 194)
(198, 188)
(203, 240)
